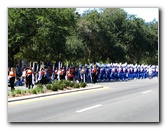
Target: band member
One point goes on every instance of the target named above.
(77, 74)
(150, 72)
(94, 75)
(64, 73)
(70, 74)
(82, 74)
(39, 77)
(24, 76)
(43, 72)
(12, 76)
(61, 73)
(56, 73)
(29, 77)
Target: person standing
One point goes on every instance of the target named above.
(24, 76)
(150, 72)
(82, 74)
(29, 77)
(12, 76)
(70, 75)
(60, 72)
(64, 73)
(76, 75)
(33, 78)
(43, 72)
(124, 75)
(56, 73)
(39, 76)
(157, 71)
(18, 71)
(94, 74)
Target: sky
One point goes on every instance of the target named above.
(148, 14)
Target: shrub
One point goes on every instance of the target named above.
(64, 83)
(30, 91)
(23, 92)
(38, 89)
(13, 93)
(83, 84)
(54, 86)
(40, 86)
(76, 85)
(67, 82)
(42, 91)
(18, 91)
(72, 84)
(48, 86)
(34, 91)
(61, 86)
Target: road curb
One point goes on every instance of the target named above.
(51, 93)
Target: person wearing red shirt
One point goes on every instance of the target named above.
(29, 77)
(94, 74)
(12, 76)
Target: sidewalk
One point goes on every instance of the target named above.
(88, 87)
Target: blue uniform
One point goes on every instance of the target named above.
(102, 74)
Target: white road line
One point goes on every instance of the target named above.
(89, 108)
(146, 91)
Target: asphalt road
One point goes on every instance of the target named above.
(131, 101)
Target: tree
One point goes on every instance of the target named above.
(39, 34)
(139, 40)
(100, 33)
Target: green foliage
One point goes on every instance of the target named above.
(76, 85)
(18, 91)
(57, 85)
(42, 91)
(34, 31)
(72, 84)
(30, 91)
(61, 86)
(23, 92)
(83, 84)
(33, 91)
(48, 86)
(40, 86)
(54, 86)
(13, 93)
(39, 89)
(67, 82)
(100, 35)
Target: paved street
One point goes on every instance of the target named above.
(131, 101)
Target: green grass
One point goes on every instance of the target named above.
(23, 92)
(83, 84)
(48, 86)
(13, 93)
(18, 91)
